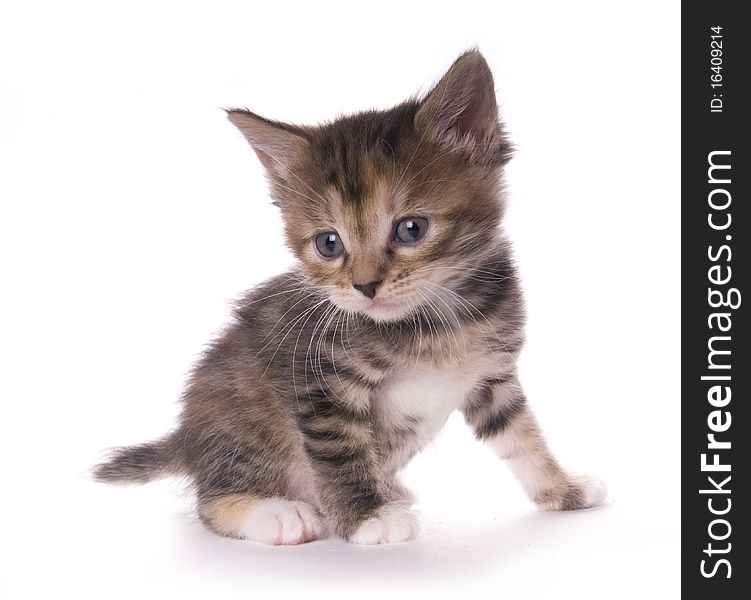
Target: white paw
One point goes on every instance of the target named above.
(393, 523)
(575, 493)
(282, 522)
(594, 491)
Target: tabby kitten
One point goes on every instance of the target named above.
(405, 306)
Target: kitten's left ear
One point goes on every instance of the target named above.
(276, 144)
(462, 106)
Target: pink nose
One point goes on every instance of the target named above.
(369, 289)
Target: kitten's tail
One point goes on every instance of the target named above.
(139, 464)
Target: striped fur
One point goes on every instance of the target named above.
(299, 417)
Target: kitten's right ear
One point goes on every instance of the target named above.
(276, 144)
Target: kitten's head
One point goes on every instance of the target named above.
(387, 209)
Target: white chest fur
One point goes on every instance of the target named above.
(414, 406)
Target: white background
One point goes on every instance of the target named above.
(132, 213)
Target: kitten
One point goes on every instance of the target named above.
(405, 306)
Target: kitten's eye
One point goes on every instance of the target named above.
(329, 245)
(411, 230)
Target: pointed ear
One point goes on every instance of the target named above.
(462, 106)
(276, 144)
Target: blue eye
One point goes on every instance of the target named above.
(329, 245)
(411, 229)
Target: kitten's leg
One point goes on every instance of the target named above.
(275, 521)
(499, 415)
(350, 486)
(397, 491)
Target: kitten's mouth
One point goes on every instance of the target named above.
(378, 308)
(382, 310)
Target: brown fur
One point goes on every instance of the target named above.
(317, 395)
(226, 514)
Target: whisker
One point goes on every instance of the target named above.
(294, 355)
(310, 310)
(466, 303)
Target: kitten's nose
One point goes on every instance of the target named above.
(369, 289)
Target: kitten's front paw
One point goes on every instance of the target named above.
(282, 522)
(393, 523)
(580, 491)
(593, 490)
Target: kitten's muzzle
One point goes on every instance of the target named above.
(369, 289)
